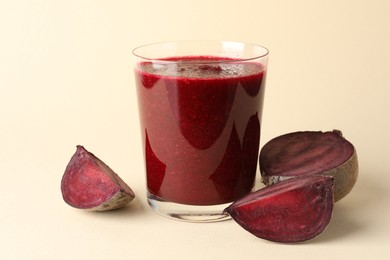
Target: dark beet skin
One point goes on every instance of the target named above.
(291, 211)
(89, 183)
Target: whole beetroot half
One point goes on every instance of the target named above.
(88, 183)
(290, 211)
(310, 153)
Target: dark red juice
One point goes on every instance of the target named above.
(200, 121)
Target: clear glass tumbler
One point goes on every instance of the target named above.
(200, 106)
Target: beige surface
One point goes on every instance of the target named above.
(65, 79)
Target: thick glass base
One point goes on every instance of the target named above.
(188, 213)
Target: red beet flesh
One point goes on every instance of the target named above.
(290, 211)
(88, 183)
(310, 153)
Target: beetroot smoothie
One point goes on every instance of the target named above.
(200, 121)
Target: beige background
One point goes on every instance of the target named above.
(66, 79)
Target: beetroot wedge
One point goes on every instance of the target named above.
(310, 153)
(88, 183)
(290, 211)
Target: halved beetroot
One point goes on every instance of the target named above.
(88, 183)
(310, 153)
(291, 211)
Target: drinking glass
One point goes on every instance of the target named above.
(200, 108)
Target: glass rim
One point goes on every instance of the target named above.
(165, 60)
